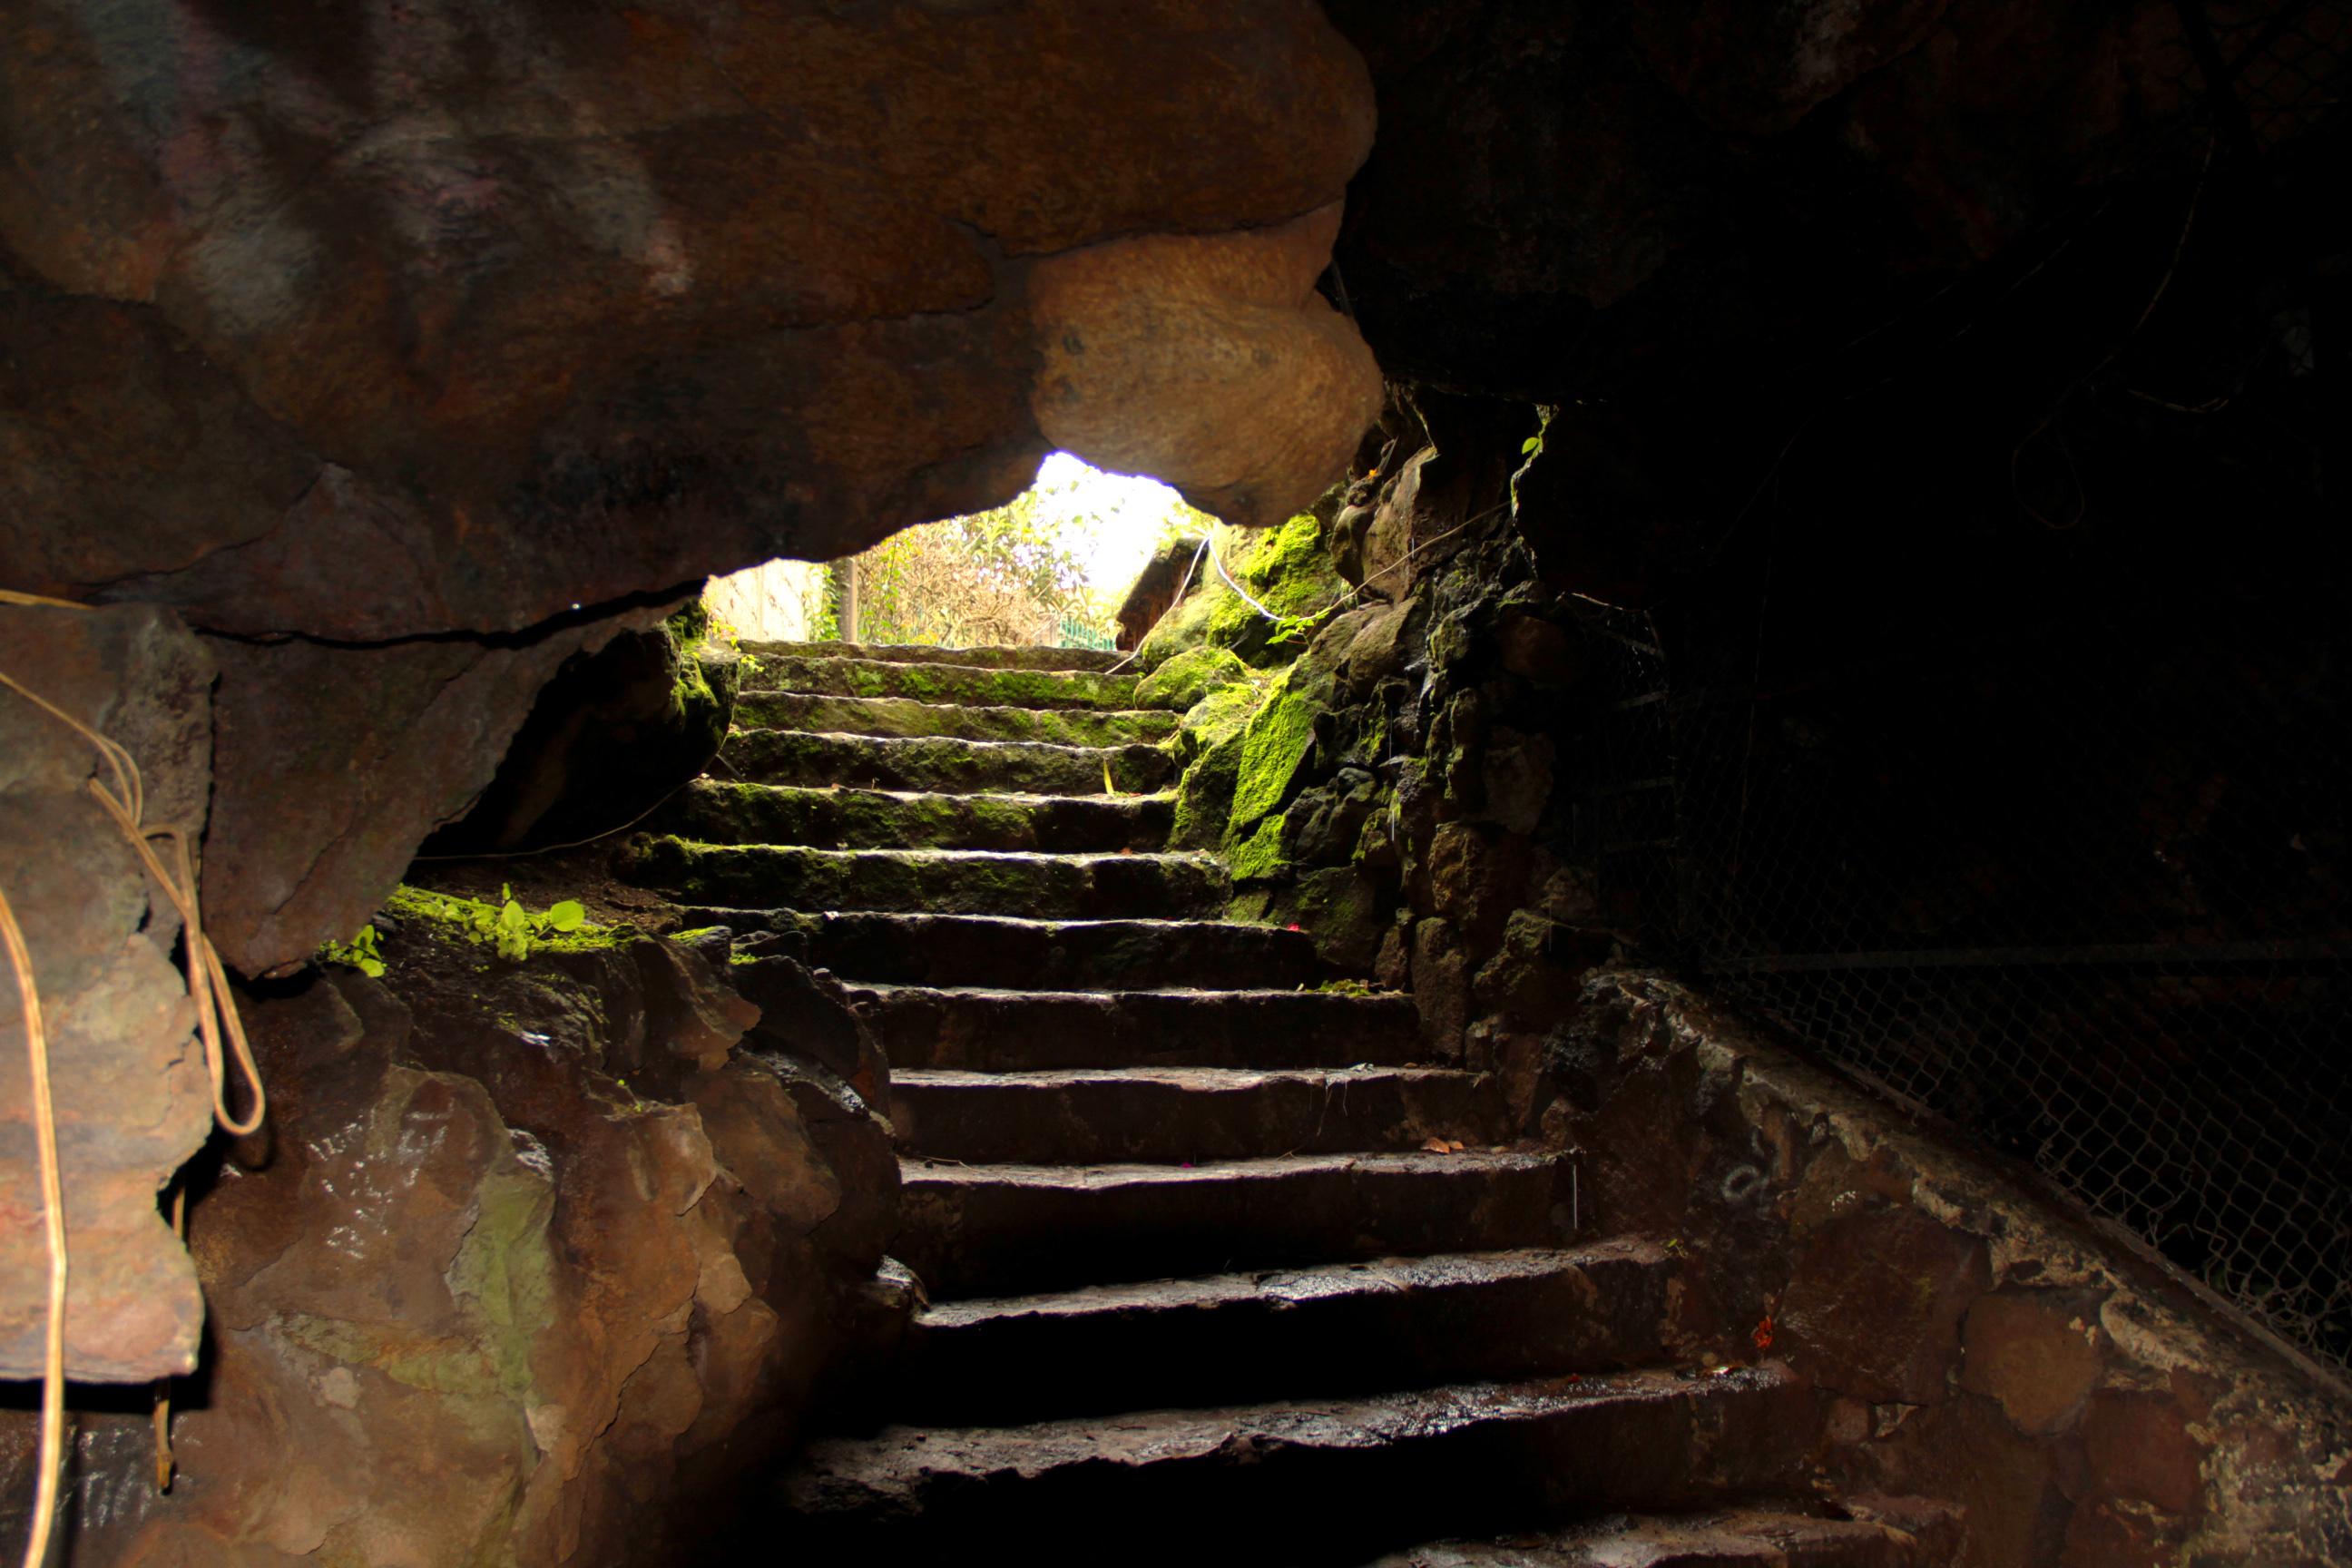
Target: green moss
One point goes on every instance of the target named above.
(1287, 569)
(1260, 856)
(1226, 711)
(502, 1281)
(690, 624)
(1289, 564)
(1190, 676)
(1205, 798)
(503, 1275)
(1272, 748)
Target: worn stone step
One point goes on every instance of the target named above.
(923, 653)
(1302, 1482)
(999, 1230)
(1752, 1537)
(925, 682)
(715, 812)
(1335, 1329)
(985, 1030)
(1107, 1115)
(955, 882)
(939, 764)
(1052, 955)
(903, 716)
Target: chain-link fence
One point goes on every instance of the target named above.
(2082, 893)
(2063, 856)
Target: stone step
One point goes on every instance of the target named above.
(1053, 956)
(715, 813)
(905, 717)
(1002, 1230)
(1302, 1482)
(981, 1030)
(1338, 1329)
(923, 653)
(958, 881)
(974, 684)
(948, 766)
(1108, 1115)
(1727, 1538)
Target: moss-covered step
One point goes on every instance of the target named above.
(1054, 955)
(943, 881)
(1323, 1480)
(982, 1030)
(905, 716)
(1085, 658)
(948, 766)
(973, 684)
(1103, 1115)
(994, 1230)
(1332, 1329)
(717, 812)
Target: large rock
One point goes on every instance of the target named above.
(608, 739)
(531, 1262)
(466, 322)
(128, 1082)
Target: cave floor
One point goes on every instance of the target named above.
(1221, 1260)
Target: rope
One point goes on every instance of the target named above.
(53, 1216)
(1219, 561)
(217, 1023)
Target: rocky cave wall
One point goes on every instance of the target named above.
(405, 362)
(1907, 328)
(1419, 790)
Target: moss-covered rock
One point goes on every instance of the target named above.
(1272, 747)
(1204, 799)
(1188, 676)
(1286, 569)
(1261, 856)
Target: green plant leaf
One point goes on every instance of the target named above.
(568, 915)
(1532, 443)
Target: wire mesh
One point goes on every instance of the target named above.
(2082, 893)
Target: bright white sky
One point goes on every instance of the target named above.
(1112, 522)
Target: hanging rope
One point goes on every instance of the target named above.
(53, 1216)
(124, 801)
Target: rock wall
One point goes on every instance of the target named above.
(1969, 1340)
(532, 1260)
(1419, 789)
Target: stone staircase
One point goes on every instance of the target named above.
(1201, 1286)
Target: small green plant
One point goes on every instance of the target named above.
(362, 953)
(515, 928)
(506, 925)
